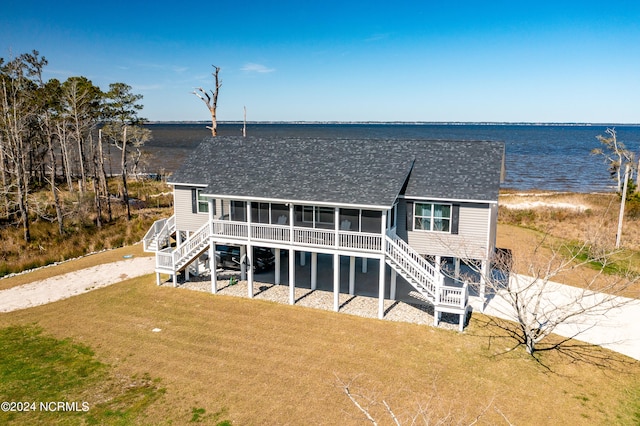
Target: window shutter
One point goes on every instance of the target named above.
(194, 200)
(409, 215)
(455, 218)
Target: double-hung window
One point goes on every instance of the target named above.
(203, 202)
(199, 203)
(432, 217)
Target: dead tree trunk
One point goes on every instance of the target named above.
(211, 101)
(123, 164)
(103, 176)
(54, 188)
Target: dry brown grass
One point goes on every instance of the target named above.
(544, 227)
(596, 222)
(264, 363)
(81, 235)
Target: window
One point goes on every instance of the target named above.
(307, 214)
(203, 203)
(317, 217)
(432, 217)
(325, 215)
(371, 221)
(260, 212)
(238, 211)
(279, 214)
(200, 203)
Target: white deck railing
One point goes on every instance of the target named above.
(183, 253)
(159, 232)
(314, 237)
(457, 297)
(164, 259)
(230, 229)
(301, 236)
(360, 241)
(173, 259)
(263, 232)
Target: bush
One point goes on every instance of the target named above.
(632, 209)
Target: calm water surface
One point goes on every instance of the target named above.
(552, 157)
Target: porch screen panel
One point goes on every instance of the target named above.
(302, 214)
(279, 214)
(371, 221)
(325, 217)
(239, 211)
(350, 220)
(260, 212)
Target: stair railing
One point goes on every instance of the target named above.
(192, 246)
(424, 277)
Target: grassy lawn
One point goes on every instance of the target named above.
(219, 358)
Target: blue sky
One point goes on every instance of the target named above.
(348, 61)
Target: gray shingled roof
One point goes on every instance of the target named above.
(360, 172)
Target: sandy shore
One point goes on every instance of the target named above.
(73, 283)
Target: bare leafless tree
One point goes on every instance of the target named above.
(527, 292)
(211, 101)
(430, 409)
(616, 155)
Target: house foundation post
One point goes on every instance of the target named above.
(186, 268)
(352, 275)
(213, 266)
(381, 289)
(382, 266)
(243, 265)
(456, 272)
(364, 265)
(248, 256)
(292, 276)
(158, 278)
(336, 282)
(277, 267)
(314, 270)
(393, 285)
(249, 267)
(303, 258)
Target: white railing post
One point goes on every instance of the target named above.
(336, 227)
(291, 220)
(249, 220)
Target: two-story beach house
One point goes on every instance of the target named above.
(398, 205)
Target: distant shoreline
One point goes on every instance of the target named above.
(401, 123)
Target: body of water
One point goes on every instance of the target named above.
(551, 157)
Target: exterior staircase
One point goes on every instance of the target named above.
(159, 235)
(427, 280)
(173, 260)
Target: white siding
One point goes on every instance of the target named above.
(471, 242)
(186, 220)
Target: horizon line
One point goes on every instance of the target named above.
(450, 123)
